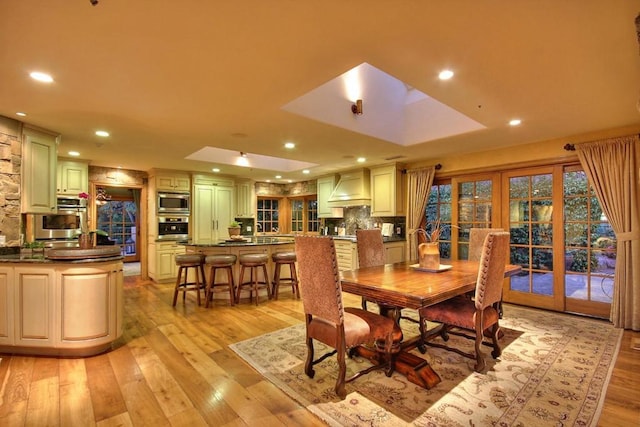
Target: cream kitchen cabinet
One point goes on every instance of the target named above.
(387, 191)
(73, 177)
(162, 260)
(213, 209)
(34, 306)
(173, 182)
(6, 305)
(246, 199)
(39, 158)
(346, 254)
(325, 186)
(394, 252)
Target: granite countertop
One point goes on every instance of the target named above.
(279, 239)
(66, 255)
(41, 259)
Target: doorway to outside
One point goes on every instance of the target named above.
(118, 217)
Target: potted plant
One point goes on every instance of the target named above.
(234, 229)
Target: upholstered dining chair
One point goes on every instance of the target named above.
(370, 251)
(329, 322)
(478, 314)
(476, 242)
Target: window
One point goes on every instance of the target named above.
(304, 215)
(439, 209)
(268, 214)
(589, 242)
(474, 210)
(117, 218)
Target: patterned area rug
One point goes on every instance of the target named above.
(553, 371)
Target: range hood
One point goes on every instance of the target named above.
(353, 189)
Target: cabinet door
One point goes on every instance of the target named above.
(223, 208)
(6, 305)
(246, 200)
(73, 177)
(394, 252)
(325, 187)
(87, 310)
(387, 192)
(203, 215)
(39, 157)
(35, 305)
(172, 182)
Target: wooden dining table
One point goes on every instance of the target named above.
(406, 285)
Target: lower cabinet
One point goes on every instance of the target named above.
(395, 252)
(64, 309)
(162, 260)
(347, 253)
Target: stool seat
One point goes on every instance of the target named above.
(253, 262)
(184, 259)
(284, 257)
(221, 260)
(184, 263)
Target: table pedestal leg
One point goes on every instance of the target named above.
(416, 369)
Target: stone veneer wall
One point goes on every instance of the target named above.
(10, 164)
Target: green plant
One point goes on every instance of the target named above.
(234, 224)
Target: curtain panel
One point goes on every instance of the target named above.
(611, 167)
(419, 182)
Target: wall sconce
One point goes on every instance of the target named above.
(357, 107)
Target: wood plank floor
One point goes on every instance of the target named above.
(173, 367)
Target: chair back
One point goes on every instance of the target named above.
(476, 241)
(370, 248)
(495, 253)
(319, 278)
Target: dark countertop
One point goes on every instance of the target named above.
(41, 259)
(279, 239)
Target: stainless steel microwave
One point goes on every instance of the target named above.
(63, 225)
(174, 203)
(173, 227)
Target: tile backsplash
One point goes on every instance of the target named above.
(360, 217)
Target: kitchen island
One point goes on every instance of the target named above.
(61, 303)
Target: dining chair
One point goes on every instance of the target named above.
(371, 252)
(461, 315)
(476, 242)
(328, 321)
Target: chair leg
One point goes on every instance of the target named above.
(177, 288)
(342, 372)
(208, 292)
(266, 281)
(294, 280)
(479, 366)
(232, 285)
(240, 284)
(495, 334)
(276, 280)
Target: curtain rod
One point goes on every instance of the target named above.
(572, 147)
(437, 167)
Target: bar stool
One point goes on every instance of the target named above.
(253, 262)
(281, 259)
(220, 262)
(184, 263)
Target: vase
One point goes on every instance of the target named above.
(429, 255)
(233, 231)
(85, 241)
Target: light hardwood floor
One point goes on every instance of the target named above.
(174, 367)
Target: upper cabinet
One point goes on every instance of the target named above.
(245, 199)
(387, 191)
(73, 177)
(325, 186)
(173, 182)
(39, 158)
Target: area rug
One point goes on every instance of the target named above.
(554, 370)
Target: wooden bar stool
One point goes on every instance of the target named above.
(220, 262)
(184, 263)
(281, 259)
(253, 262)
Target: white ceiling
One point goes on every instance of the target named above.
(169, 79)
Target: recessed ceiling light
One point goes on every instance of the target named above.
(268, 180)
(289, 145)
(21, 114)
(306, 171)
(73, 153)
(41, 77)
(514, 122)
(289, 181)
(215, 170)
(445, 74)
(361, 160)
(278, 176)
(102, 133)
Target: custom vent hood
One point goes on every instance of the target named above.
(353, 189)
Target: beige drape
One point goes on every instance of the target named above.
(612, 169)
(419, 183)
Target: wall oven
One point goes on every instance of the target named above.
(62, 225)
(173, 227)
(174, 203)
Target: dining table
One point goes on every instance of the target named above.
(407, 285)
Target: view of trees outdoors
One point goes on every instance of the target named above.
(118, 220)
